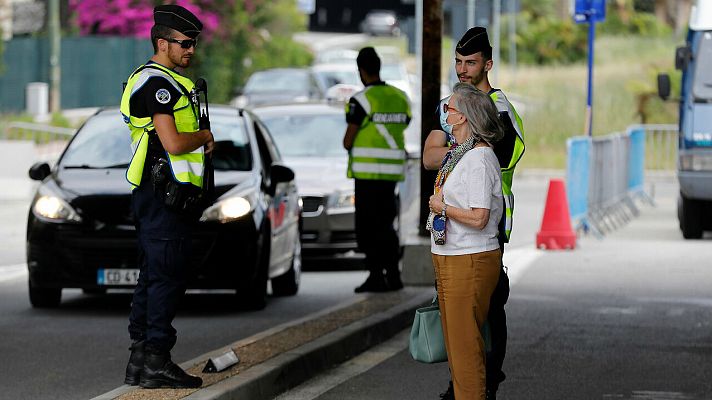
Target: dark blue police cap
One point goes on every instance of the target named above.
(178, 18)
(474, 41)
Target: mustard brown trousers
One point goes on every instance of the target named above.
(465, 284)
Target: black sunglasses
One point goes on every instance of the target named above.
(185, 43)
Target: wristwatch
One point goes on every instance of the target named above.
(444, 211)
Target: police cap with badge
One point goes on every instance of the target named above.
(178, 18)
(474, 41)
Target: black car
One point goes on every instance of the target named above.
(80, 231)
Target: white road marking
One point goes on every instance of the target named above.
(517, 260)
(9, 273)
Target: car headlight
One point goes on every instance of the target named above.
(53, 209)
(344, 200)
(230, 209)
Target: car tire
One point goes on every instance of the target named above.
(287, 284)
(253, 295)
(44, 297)
(690, 218)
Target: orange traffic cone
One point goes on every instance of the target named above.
(556, 232)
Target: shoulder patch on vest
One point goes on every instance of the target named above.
(163, 96)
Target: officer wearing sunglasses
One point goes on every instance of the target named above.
(158, 107)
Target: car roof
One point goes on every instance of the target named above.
(299, 108)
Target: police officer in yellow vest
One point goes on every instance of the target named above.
(377, 117)
(473, 61)
(158, 105)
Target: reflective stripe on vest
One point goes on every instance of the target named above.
(186, 168)
(378, 150)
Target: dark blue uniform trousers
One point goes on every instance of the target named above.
(164, 260)
(497, 319)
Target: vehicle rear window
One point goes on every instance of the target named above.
(312, 135)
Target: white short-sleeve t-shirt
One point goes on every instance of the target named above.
(475, 182)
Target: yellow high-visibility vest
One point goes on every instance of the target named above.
(187, 168)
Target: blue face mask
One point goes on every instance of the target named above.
(443, 121)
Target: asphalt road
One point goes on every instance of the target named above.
(625, 317)
(79, 350)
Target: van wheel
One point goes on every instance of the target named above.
(288, 283)
(44, 297)
(690, 215)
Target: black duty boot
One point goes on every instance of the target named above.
(160, 372)
(490, 394)
(394, 282)
(135, 365)
(449, 394)
(374, 283)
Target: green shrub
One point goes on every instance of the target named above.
(547, 41)
(640, 23)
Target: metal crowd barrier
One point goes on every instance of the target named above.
(605, 175)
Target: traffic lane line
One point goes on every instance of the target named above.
(518, 260)
(11, 273)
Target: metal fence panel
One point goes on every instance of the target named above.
(93, 69)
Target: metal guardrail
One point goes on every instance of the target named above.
(661, 144)
(37, 133)
(49, 141)
(605, 174)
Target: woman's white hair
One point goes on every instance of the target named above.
(480, 111)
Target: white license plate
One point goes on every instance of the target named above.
(111, 277)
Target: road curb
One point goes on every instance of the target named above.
(287, 370)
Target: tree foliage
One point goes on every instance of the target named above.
(239, 37)
(254, 35)
(131, 17)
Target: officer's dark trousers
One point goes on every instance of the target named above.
(376, 209)
(497, 319)
(163, 257)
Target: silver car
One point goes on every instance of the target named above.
(309, 138)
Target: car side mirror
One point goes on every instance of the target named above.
(39, 171)
(683, 55)
(278, 174)
(664, 86)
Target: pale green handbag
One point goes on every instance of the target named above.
(427, 343)
(426, 336)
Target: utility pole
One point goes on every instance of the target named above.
(513, 36)
(496, 14)
(471, 4)
(430, 83)
(55, 37)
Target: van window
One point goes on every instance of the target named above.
(702, 83)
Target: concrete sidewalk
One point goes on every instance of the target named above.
(280, 358)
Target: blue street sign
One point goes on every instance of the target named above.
(589, 11)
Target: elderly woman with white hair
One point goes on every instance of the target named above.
(465, 212)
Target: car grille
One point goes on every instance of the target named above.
(311, 203)
(107, 209)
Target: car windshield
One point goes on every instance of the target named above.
(104, 142)
(702, 87)
(392, 72)
(277, 81)
(313, 135)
